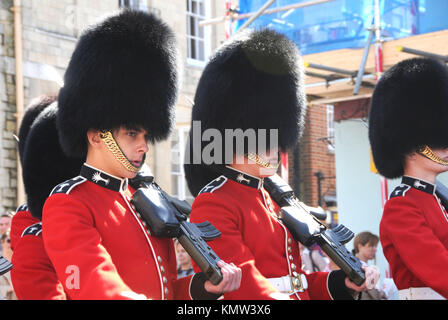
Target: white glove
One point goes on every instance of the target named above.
(372, 276)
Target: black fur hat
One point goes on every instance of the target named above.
(409, 109)
(45, 165)
(253, 81)
(124, 71)
(31, 112)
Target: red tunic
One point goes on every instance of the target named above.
(414, 236)
(100, 248)
(253, 238)
(33, 276)
(21, 220)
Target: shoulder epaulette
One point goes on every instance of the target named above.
(23, 207)
(214, 185)
(33, 230)
(67, 186)
(399, 191)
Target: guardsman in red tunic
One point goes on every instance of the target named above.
(119, 93)
(409, 138)
(33, 275)
(252, 85)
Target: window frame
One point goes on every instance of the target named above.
(330, 128)
(179, 139)
(207, 33)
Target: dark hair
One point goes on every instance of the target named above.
(8, 214)
(364, 238)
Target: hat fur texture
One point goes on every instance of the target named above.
(409, 109)
(123, 72)
(45, 165)
(31, 112)
(254, 81)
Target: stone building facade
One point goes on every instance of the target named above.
(50, 29)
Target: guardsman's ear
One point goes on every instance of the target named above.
(93, 137)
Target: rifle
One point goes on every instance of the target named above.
(166, 216)
(5, 265)
(306, 229)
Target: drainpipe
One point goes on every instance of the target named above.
(320, 177)
(17, 10)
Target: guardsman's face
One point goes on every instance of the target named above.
(134, 145)
(433, 166)
(244, 164)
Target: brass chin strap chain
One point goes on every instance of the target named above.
(261, 162)
(113, 147)
(428, 153)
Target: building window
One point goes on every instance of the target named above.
(179, 187)
(133, 4)
(330, 127)
(197, 36)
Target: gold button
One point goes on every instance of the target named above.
(166, 290)
(291, 257)
(293, 266)
(289, 249)
(164, 280)
(162, 269)
(289, 240)
(295, 274)
(159, 259)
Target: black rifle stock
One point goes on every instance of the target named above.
(5, 265)
(166, 216)
(306, 229)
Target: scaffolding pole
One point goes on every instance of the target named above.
(256, 15)
(327, 68)
(269, 11)
(423, 53)
(363, 63)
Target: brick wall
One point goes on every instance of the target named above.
(314, 156)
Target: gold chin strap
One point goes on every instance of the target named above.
(261, 162)
(428, 153)
(113, 147)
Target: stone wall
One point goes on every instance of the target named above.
(8, 165)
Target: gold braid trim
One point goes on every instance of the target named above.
(261, 162)
(113, 147)
(428, 153)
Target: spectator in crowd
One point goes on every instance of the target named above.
(314, 259)
(364, 248)
(5, 223)
(185, 266)
(6, 289)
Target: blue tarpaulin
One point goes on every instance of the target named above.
(343, 23)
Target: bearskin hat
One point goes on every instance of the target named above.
(409, 109)
(254, 81)
(31, 112)
(123, 72)
(45, 165)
